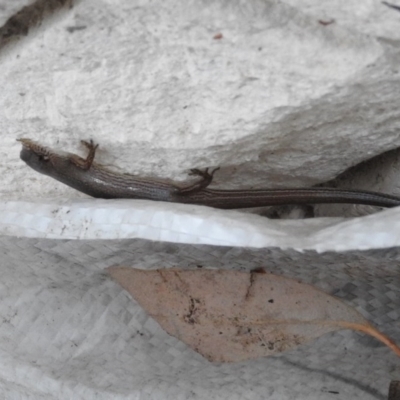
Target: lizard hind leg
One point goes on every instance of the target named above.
(206, 179)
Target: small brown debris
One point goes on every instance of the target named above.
(325, 23)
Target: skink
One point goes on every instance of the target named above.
(87, 176)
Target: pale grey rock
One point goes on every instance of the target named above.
(279, 100)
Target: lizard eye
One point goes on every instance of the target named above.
(43, 157)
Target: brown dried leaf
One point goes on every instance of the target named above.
(230, 316)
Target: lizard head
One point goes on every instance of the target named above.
(36, 156)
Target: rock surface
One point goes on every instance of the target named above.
(276, 93)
